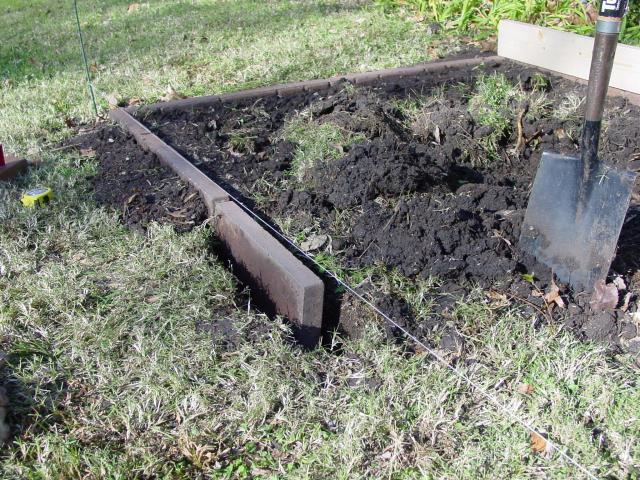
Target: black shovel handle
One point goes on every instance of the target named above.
(604, 49)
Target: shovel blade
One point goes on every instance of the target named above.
(575, 237)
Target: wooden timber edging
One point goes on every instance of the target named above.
(287, 89)
(565, 53)
(12, 167)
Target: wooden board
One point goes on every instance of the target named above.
(12, 167)
(565, 52)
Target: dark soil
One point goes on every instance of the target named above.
(418, 201)
(135, 184)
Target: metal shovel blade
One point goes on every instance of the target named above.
(575, 237)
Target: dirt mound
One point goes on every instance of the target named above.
(459, 236)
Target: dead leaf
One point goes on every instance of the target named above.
(172, 95)
(592, 12)
(419, 349)
(525, 388)
(625, 302)
(112, 100)
(489, 45)
(93, 68)
(605, 296)
(560, 133)
(70, 122)
(133, 7)
(314, 242)
(131, 199)
(76, 257)
(87, 152)
(498, 299)
(539, 444)
(493, 295)
(553, 296)
(589, 17)
(134, 101)
(619, 283)
(152, 298)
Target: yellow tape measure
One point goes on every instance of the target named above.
(37, 197)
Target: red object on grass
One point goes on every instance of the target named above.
(1, 156)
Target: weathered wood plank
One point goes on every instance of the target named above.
(565, 52)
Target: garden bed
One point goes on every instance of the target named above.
(423, 180)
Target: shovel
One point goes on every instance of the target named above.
(578, 205)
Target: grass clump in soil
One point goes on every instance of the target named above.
(416, 111)
(569, 113)
(316, 143)
(495, 104)
(491, 101)
(498, 106)
(241, 142)
(414, 292)
(492, 106)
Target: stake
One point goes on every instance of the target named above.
(84, 58)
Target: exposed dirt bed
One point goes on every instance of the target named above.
(134, 183)
(436, 191)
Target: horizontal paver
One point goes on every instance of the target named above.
(12, 167)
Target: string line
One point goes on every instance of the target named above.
(461, 375)
(84, 58)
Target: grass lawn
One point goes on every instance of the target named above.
(111, 371)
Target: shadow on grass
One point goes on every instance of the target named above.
(32, 408)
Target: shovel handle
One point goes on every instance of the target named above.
(604, 49)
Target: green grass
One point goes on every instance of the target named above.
(315, 143)
(482, 17)
(108, 376)
(492, 99)
(493, 105)
(202, 47)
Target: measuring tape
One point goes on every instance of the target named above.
(37, 197)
